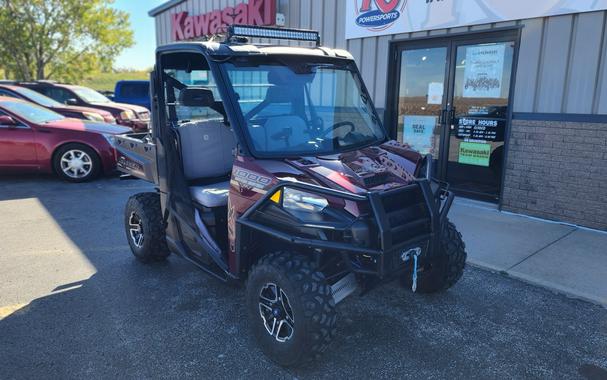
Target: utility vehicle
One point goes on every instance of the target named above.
(273, 169)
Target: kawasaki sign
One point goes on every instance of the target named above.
(256, 12)
(366, 18)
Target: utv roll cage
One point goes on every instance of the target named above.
(420, 208)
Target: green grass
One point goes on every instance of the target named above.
(107, 81)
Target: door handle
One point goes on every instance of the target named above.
(442, 117)
(452, 118)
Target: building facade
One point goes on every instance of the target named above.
(510, 99)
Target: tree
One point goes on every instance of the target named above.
(60, 39)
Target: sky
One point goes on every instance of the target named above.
(141, 55)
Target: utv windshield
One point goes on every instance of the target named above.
(303, 108)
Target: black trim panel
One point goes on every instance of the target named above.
(568, 117)
(464, 34)
(164, 7)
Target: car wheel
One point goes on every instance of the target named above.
(446, 268)
(145, 228)
(76, 163)
(290, 307)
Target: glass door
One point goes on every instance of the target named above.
(453, 101)
(421, 98)
(478, 115)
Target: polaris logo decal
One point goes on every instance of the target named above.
(377, 15)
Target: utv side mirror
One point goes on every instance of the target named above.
(71, 102)
(196, 97)
(8, 121)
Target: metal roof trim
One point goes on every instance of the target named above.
(163, 7)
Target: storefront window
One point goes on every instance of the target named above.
(420, 100)
(480, 103)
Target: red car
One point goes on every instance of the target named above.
(135, 117)
(76, 112)
(33, 138)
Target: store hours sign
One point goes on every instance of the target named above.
(365, 18)
(480, 129)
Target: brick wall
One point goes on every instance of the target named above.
(558, 171)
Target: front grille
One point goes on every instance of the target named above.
(407, 214)
(376, 179)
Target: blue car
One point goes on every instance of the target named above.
(135, 92)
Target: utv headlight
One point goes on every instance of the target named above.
(309, 214)
(301, 201)
(93, 116)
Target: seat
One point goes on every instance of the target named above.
(207, 152)
(279, 133)
(214, 195)
(206, 148)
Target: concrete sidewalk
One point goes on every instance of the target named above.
(564, 258)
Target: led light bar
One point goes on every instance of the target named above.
(278, 33)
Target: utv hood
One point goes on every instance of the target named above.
(381, 167)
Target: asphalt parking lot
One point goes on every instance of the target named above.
(75, 304)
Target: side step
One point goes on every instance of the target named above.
(344, 287)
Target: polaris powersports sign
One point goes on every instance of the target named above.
(366, 18)
(386, 12)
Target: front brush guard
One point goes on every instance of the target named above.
(437, 205)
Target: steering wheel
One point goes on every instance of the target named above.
(338, 125)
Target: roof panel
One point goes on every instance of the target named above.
(164, 6)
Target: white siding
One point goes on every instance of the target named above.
(554, 59)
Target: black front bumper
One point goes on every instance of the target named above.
(427, 212)
(407, 217)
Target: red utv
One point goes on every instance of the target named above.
(93, 114)
(273, 170)
(135, 117)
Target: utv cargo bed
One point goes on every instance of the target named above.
(137, 156)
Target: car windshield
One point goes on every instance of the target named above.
(90, 96)
(30, 112)
(36, 97)
(303, 108)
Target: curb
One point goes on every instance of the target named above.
(563, 290)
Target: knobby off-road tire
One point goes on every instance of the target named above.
(309, 308)
(447, 267)
(145, 230)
